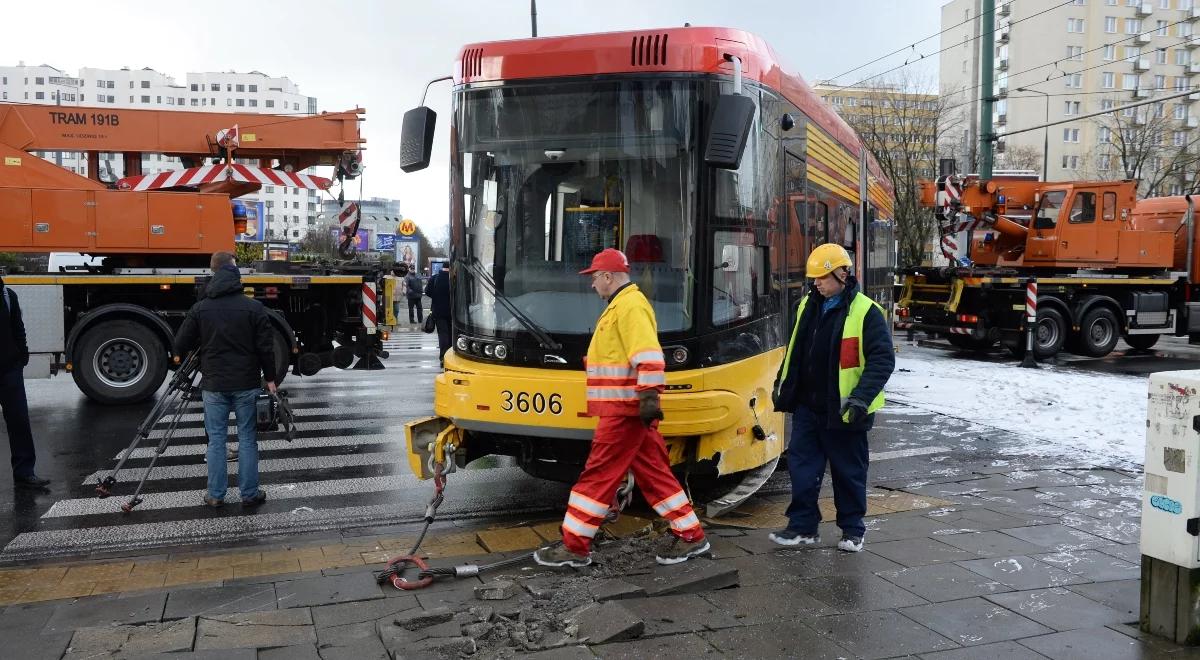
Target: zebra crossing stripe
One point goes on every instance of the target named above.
(168, 472)
(199, 448)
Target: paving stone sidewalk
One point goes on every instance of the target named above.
(992, 563)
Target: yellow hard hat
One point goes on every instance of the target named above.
(825, 259)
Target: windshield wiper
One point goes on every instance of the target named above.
(545, 340)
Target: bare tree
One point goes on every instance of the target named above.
(1148, 145)
(1023, 157)
(902, 121)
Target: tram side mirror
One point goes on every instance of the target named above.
(731, 122)
(416, 138)
(729, 258)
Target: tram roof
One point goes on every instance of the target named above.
(668, 50)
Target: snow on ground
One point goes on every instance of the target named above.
(1060, 411)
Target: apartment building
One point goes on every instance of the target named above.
(289, 212)
(1053, 63)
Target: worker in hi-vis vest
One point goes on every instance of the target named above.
(625, 375)
(838, 359)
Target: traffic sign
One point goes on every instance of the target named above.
(407, 227)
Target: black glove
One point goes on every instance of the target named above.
(648, 407)
(853, 411)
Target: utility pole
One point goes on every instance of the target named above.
(533, 15)
(987, 47)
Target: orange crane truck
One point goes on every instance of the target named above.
(1103, 265)
(112, 326)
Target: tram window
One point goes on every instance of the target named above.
(737, 274)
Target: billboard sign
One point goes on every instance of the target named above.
(408, 250)
(385, 243)
(255, 223)
(360, 243)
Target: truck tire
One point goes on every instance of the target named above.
(1050, 333)
(1098, 332)
(119, 362)
(1141, 342)
(283, 355)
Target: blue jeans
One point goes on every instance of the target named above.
(812, 445)
(217, 406)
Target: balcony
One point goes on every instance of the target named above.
(1193, 122)
(1002, 119)
(1141, 64)
(1191, 44)
(1002, 35)
(1144, 9)
(1142, 39)
(1190, 98)
(1142, 92)
(1002, 91)
(1191, 14)
(1004, 10)
(1002, 64)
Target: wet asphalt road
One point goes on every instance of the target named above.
(347, 467)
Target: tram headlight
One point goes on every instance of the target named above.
(501, 351)
(487, 350)
(475, 347)
(461, 344)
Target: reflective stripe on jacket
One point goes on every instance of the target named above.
(851, 359)
(624, 356)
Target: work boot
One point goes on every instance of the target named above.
(557, 556)
(850, 543)
(212, 502)
(792, 537)
(255, 500)
(673, 550)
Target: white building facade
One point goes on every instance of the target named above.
(289, 212)
(1053, 63)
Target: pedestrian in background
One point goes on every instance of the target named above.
(398, 297)
(233, 335)
(625, 374)
(837, 362)
(414, 289)
(14, 355)
(438, 291)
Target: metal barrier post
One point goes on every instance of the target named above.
(1029, 360)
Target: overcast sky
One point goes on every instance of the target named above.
(379, 55)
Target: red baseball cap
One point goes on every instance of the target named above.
(609, 259)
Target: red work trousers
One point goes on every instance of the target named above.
(622, 444)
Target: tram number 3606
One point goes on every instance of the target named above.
(536, 403)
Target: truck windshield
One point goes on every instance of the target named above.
(547, 175)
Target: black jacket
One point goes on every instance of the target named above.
(413, 286)
(438, 291)
(14, 349)
(233, 333)
(813, 371)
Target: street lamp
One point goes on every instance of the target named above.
(1046, 136)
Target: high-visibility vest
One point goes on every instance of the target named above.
(851, 360)
(624, 356)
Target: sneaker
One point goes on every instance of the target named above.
(673, 550)
(792, 537)
(851, 544)
(257, 499)
(213, 503)
(557, 556)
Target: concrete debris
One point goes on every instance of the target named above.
(600, 623)
(416, 619)
(496, 590)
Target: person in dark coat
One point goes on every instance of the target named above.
(838, 360)
(14, 355)
(438, 291)
(414, 288)
(233, 335)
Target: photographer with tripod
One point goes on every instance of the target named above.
(233, 334)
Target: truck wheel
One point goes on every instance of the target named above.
(1098, 332)
(1049, 334)
(1141, 342)
(283, 355)
(119, 362)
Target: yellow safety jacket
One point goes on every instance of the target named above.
(851, 360)
(624, 356)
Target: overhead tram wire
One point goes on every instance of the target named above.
(909, 63)
(1090, 68)
(912, 46)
